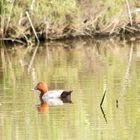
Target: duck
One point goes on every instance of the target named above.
(52, 97)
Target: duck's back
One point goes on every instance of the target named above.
(57, 97)
(52, 97)
(53, 94)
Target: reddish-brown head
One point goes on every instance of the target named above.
(42, 87)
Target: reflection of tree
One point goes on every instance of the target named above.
(126, 76)
(2, 62)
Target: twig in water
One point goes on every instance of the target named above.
(102, 104)
(117, 103)
(103, 98)
(28, 16)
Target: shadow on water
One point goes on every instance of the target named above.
(83, 66)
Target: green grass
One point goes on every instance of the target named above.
(60, 14)
(55, 11)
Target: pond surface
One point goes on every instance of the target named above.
(87, 67)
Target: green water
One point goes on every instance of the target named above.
(86, 67)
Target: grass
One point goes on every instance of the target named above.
(55, 11)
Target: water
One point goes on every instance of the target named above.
(86, 67)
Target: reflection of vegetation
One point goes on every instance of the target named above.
(65, 19)
(86, 73)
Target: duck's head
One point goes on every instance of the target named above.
(42, 87)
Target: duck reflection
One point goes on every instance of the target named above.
(43, 107)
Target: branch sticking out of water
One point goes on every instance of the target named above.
(117, 103)
(103, 98)
(104, 93)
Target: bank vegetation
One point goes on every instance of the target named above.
(43, 20)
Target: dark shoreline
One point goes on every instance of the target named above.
(131, 33)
